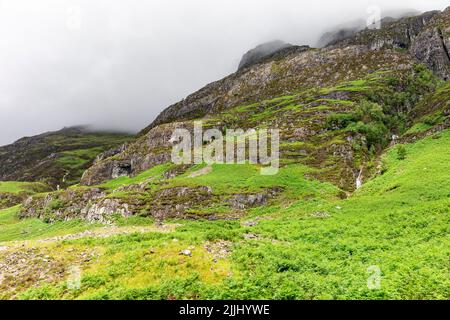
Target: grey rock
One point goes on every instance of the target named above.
(430, 47)
(250, 223)
(186, 253)
(321, 215)
(262, 51)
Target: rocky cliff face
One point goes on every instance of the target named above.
(426, 37)
(147, 151)
(349, 29)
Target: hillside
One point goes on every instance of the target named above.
(14, 192)
(56, 158)
(314, 247)
(359, 208)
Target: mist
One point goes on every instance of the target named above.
(117, 64)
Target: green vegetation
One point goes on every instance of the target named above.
(154, 173)
(15, 187)
(13, 229)
(401, 152)
(14, 192)
(246, 178)
(315, 247)
(56, 158)
(307, 234)
(418, 128)
(77, 158)
(431, 111)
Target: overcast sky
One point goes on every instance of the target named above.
(117, 63)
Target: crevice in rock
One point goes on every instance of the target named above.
(441, 36)
(408, 35)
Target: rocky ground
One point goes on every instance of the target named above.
(25, 264)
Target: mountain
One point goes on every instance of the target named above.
(341, 32)
(302, 91)
(261, 52)
(425, 37)
(56, 158)
(349, 29)
(358, 209)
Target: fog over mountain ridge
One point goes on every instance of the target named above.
(74, 62)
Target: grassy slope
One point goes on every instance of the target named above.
(398, 222)
(14, 192)
(12, 229)
(15, 187)
(57, 158)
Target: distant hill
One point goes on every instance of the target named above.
(56, 158)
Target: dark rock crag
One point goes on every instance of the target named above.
(261, 52)
(426, 37)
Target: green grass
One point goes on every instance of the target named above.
(418, 128)
(78, 158)
(14, 229)
(153, 173)
(8, 216)
(16, 187)
(398, 223)
(246, 178)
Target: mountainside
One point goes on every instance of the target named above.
(56, 158)
(306, 93)
(261, 52)
(361, 193)
(425, 37)
(349, 29)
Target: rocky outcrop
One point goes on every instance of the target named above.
(91, 205)
(261, 52)
(8, 199)
(149, 150)
(431, 47)
(110, 153)
(246, 201)
(426, 37)
(97, 205)
(349, 29)
(175, 202)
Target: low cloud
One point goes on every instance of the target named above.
(116, 64)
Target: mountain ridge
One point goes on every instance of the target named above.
(41, 157)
